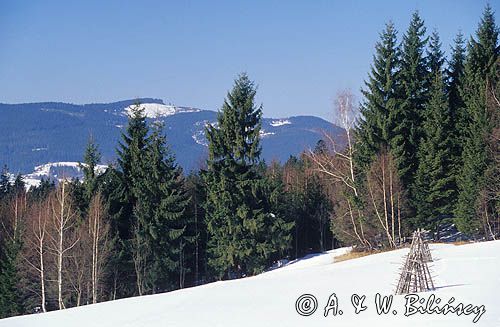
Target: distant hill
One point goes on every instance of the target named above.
(33, 134)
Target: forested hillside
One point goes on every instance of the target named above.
(35, 134)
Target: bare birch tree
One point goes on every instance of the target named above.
(98, 229)
(385, 196)
(35, 246)
(338, 162)
(77, 264)
(63, 222)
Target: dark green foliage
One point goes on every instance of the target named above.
(5, 185)
(458, 113)
(78, 196)
(147, 201)
(161, 213)
(196, 251)
(306, 203)
(375, 129)
(439, 125)
(479, 76)
(91, 158)
(10, 304)
(435, 186)
(83, 190)
(281, 225)
(435, 57)
(120, 278)
(242, 228)
(41, 191)
(10, 246)
(455, 75)
(408, 114)
(124, 183)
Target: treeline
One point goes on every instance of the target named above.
(420, 151)
(435, 121)
(425, 151)
(422, 148)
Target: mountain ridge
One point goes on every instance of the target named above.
(33, 134)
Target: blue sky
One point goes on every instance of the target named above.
(300, 53)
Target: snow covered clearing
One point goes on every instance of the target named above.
(155, 110)
(280, 122)
(263, 133)
(469, 273)
(57, 171)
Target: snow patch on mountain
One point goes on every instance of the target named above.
(280, 122)
(39, 149)
(264, 134)
(199, 133)
(65, 112)
(57, 171)
(155, 110)
(199, 138)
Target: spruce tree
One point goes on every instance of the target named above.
(5, 184)
(196, 251)
(10, 247)
(455, 75)
(458, 114)
(10, 304)
(124, 185)
(148, 203)
(380, 99)
(408, 114)
(131, 163)
(279, 227)
(91, 159)
(435, 57)
(241, 226)
(479, 76)
(434, 181)
(166, 201)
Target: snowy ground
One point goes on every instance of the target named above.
(469, 273)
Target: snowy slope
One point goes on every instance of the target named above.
(57, 171)
(468, 272)
(155, 110)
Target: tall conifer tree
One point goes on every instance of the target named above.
(435, 58)
(434, 182)
(479, 76)
(91, 158)
(165, 220)
(10, 246)
(455, 76)
(408, 115)
(458, 115)
(375, 127)
(10, 300)
(241, 226)
(126, 184)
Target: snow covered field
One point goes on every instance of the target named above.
(469, 273)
